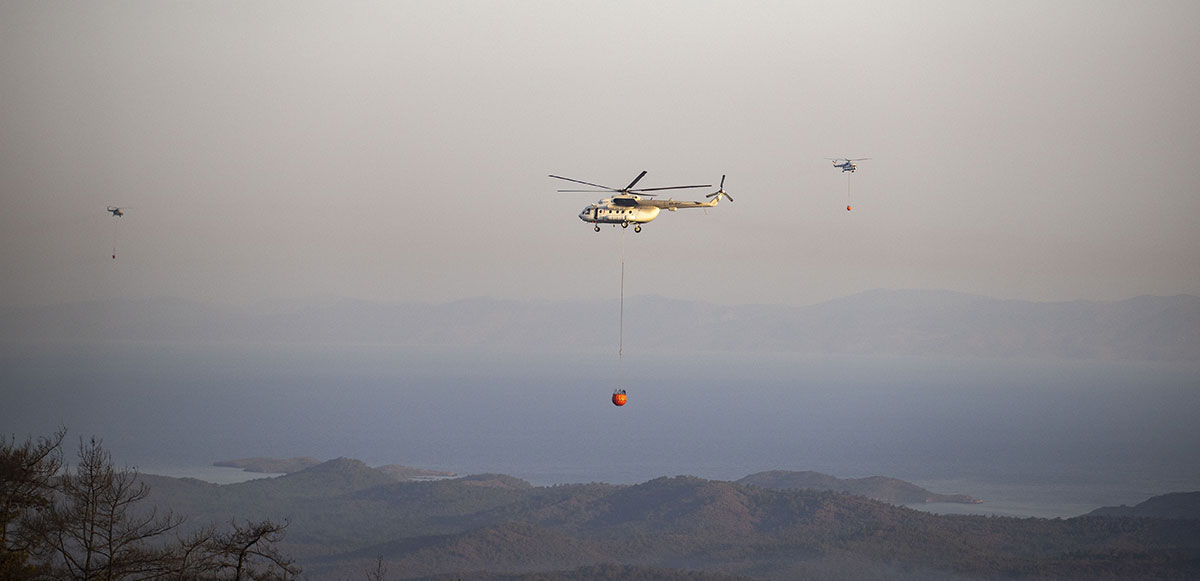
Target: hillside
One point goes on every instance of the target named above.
(880, 488)
(892, 323)
(344, 516)
(1179, 505)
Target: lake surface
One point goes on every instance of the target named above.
(1030, 438)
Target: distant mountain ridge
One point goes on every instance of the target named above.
(343, 516)
(879, 322)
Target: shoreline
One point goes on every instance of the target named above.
(999, 499)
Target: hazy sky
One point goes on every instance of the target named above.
(399, 151)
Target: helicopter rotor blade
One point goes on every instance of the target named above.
(586, 183)
(635, 180)
(627, 189)
(671, 188)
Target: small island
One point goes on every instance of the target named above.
(880, 488)
(270, 465)
(292, 465)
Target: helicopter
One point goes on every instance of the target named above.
(847, 165)
(117, 212)
(634, 206)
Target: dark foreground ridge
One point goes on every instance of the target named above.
(347, 518)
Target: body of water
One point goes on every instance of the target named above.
(1031, 439)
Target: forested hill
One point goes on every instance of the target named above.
(892, 323)
(1184, 505)
(344, 516)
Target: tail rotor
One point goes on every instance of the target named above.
(720, 192)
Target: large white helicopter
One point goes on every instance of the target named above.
(635, 206)
(847, 165)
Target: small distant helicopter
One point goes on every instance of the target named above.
(634, 206)
(847, 165)
(117, 212)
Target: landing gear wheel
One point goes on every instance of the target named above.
(624, 224)
(637, 228)
(597, 227)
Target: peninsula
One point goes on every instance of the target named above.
(293, 465)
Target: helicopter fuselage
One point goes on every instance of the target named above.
(618, 211)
